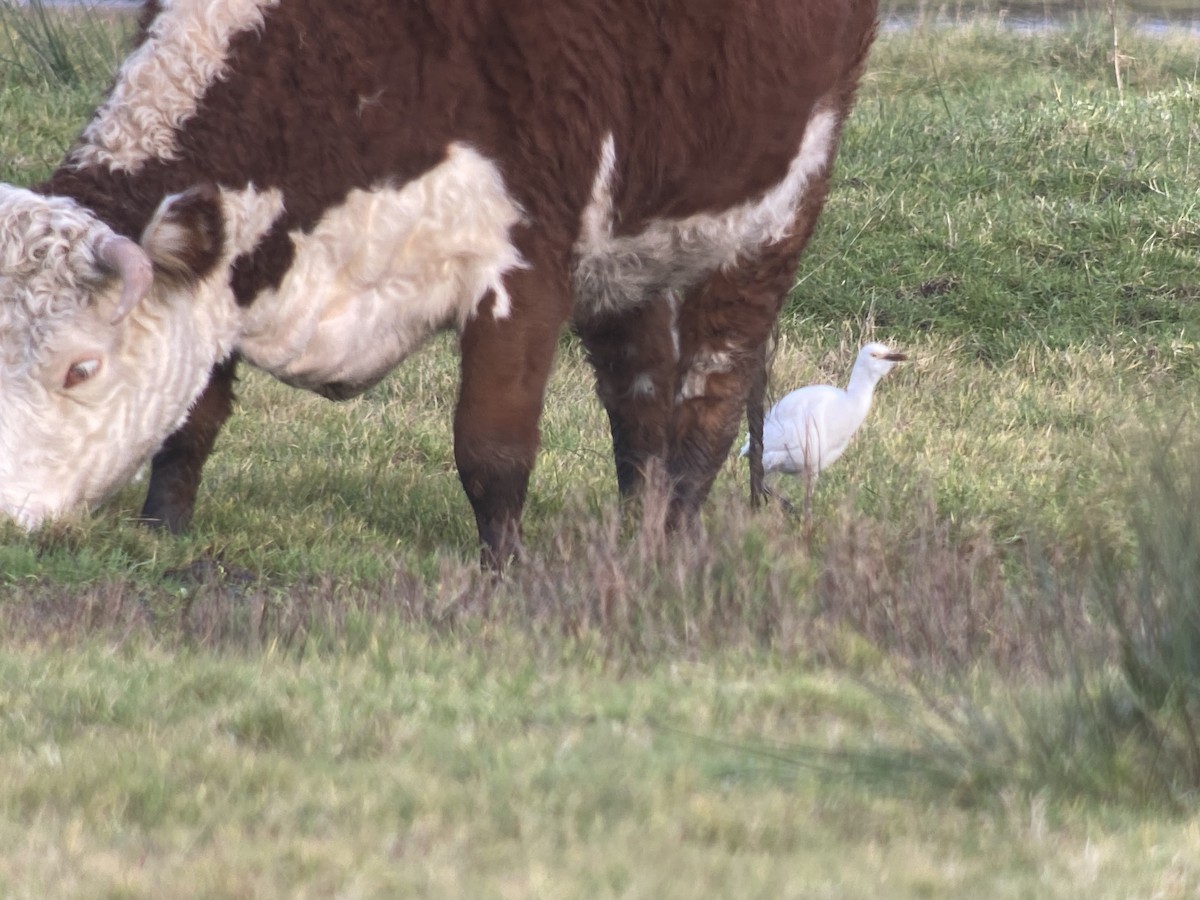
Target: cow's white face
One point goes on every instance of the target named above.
(99, 355)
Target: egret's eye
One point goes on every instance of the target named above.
(80, 371)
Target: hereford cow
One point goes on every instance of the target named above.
(316, 187)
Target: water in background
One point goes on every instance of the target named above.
(1021, 20)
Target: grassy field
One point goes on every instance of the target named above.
(981, 679)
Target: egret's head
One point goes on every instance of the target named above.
(878, 359)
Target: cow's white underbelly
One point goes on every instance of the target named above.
(383, 271)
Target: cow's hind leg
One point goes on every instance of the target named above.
(724, 326)
(176, 468)
(755, 416)
(634, 355)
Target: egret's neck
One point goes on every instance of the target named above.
(862, 384)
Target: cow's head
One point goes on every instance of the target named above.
(101, 351)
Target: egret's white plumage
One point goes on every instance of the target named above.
(811, 427)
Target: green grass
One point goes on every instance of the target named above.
(978, 681)
(67, 46)
(427, 768)
(1078, 12)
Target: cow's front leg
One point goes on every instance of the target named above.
(507, 356)
(176, 468)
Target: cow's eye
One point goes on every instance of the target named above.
(80, 371)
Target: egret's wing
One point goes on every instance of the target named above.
(792, 437)
(835, 423)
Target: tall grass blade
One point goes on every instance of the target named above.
(70, 47)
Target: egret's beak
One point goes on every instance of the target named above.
(895, 357)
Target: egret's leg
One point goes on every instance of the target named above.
(810, 487)
(786, 505)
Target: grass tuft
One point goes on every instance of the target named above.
(67, 46)
(1152, 604)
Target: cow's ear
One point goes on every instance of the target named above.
(186, 234)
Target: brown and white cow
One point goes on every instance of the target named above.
(316, 187)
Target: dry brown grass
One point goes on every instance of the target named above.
(928, 592)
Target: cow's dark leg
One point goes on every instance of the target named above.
(634, 357)
(755, 414)
(506, 363)
(724, 326)
(176, 468)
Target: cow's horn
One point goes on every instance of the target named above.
(125, 258)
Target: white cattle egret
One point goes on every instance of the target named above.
(812, 426)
